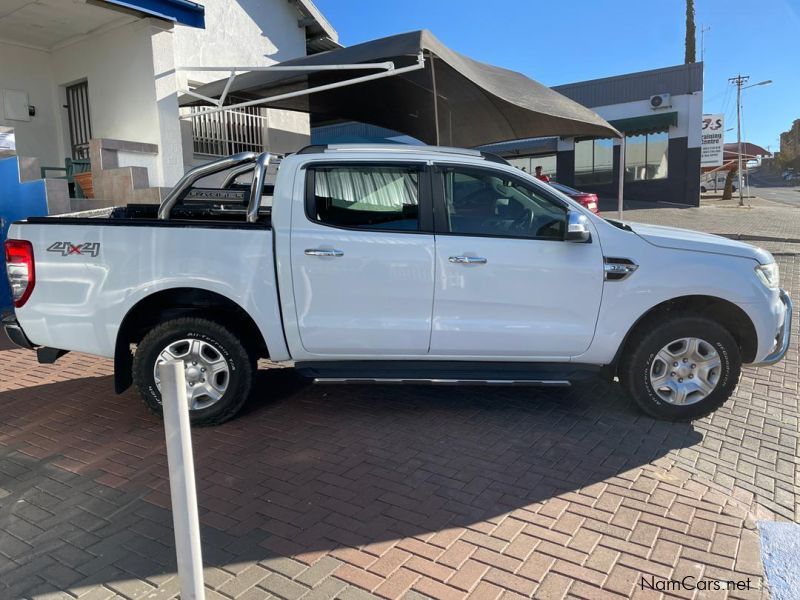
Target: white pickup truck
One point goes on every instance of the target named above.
(396, 264)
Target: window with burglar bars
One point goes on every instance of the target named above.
(230, 131)
(80, 125)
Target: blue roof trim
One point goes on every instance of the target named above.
(179, 11)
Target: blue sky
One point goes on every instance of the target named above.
(572, 40)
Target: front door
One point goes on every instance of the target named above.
(507, 283)
(362, 260)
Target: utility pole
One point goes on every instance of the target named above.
(739, 81)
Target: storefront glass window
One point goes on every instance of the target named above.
(529, 164)
(646, 156)
(594, 162)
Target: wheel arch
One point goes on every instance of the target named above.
(724, 312)
(173, 303)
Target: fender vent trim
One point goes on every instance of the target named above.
(617, 269)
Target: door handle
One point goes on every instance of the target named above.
(468, 260)
(323, 252)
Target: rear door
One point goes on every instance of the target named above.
(507, 282)
(362, 253)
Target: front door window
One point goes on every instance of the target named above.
(485, 203)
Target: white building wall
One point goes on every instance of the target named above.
(688, 106)
(245, 33)
(171, 163)
(30, 70)
(118, 67)
(240, 33)
(128, 100)
(132, 84)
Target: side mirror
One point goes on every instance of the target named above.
(577, 228)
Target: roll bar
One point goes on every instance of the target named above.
(241, 162)
(230, 178)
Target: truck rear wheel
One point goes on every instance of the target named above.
(682, 369)
(219, 371)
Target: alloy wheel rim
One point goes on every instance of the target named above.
(685, 371)
(206, 370)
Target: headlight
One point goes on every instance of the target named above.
(768, 274)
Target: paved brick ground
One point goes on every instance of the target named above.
(359, 492)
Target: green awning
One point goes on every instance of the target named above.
(648, 124)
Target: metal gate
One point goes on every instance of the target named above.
(80, 125)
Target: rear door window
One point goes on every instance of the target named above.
(366, 197)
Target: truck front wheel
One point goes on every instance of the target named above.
(684, 368)
(219, 371)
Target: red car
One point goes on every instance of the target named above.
(585, 199)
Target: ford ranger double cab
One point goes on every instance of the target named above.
(402, 264)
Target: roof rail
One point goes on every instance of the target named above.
(319, 148)
(495, 158)
(312, 149)
(401, 148)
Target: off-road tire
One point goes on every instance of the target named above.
(241, 365)
(641, 350)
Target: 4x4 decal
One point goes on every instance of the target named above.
(83, 249)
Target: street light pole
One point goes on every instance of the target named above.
(739, 82)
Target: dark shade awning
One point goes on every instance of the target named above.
(646, 124)
(475, 103)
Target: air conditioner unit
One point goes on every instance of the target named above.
(660, 101)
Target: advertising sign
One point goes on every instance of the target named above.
(712, 140)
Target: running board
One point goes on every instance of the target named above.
(445, 372)
(388, 380)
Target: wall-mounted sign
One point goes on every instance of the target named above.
(712, 140)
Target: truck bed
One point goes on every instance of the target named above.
(193, 212)
(91, 270)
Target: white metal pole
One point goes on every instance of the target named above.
(435, 99)
(420, 64)
(620, 188)
(181, 480)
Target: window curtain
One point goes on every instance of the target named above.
(385, 188)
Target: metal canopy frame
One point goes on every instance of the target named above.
(386, 69)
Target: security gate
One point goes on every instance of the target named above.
(80, 125)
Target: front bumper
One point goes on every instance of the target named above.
(783, 336)
(15, 333)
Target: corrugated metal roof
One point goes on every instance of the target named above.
(681, 79)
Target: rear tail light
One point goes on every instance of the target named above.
(20, 269)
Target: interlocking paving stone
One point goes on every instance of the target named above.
(362, 492)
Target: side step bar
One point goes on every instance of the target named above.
(445, 372)
(388, 380)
